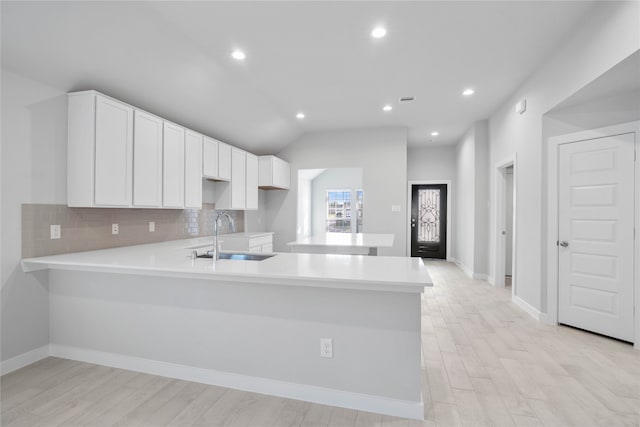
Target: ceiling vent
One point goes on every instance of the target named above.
(407, 99)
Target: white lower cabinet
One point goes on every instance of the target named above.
(248, 242)
(173, 166)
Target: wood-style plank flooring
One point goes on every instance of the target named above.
(486, 363)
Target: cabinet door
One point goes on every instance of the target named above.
(147, 160)
(210, 158)
(173, 171)
(224, 161)
(193, 170)
(285, 174)
(252, 181)
(114, 153)
(238, 178)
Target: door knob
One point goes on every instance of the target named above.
(564, 243)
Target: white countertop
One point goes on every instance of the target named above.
(172, 259)
(364, 240)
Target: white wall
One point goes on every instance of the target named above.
(609, 34)
(465, 201)
(436, 164)
(333, 179)
(34, 170)
(481, 195)
(432, 164)
(382, 155)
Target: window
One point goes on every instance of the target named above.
(339, 214)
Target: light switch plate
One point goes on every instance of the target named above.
(152, 226)
(395, 208)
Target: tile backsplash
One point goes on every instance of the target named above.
(85, 229)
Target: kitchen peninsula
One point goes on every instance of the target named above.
(251, 325)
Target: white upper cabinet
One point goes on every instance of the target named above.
(193, 170)
(210, 158)
(233, 194)
(119, 157)
(252, 182)
(224, 161)
(173, 170)
(275, 173)
(99, 151)
(238, 178)
(147, 160)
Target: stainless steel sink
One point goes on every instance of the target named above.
(238, 257)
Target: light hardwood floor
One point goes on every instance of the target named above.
(486, 362)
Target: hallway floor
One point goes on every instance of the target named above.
(486, 362)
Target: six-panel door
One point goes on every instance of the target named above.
(596, 235)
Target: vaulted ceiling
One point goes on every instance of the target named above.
(173, 59)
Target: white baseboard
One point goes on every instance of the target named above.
(546, 319)
(464, 268)
(531, 310)
(24, 359)
(309, 393)
(480, 276)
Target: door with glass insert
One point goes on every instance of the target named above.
(429, 221)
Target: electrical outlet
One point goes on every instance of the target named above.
(114, 229)
(326, 347)
(152, 226)
(55, 231)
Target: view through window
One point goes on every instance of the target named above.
(340, 218)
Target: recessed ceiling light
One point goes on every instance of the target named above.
(434, 134)
(378, 32)
(387, 108)
(238, 54)
(300, 115)
(468, 92)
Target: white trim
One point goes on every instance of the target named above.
(499, 221)
(480, 276)
(466, 270)
(24, 359)
(309, 393)
(447, 182)
(531, 310)
(551, 316)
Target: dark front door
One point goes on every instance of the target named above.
(429, 221)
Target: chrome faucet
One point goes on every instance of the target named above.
(232, 228)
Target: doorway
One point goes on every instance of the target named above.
(593, 253)
(505, 225)
(429, 220)
(508, 228)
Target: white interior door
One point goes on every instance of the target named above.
(596, 235)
